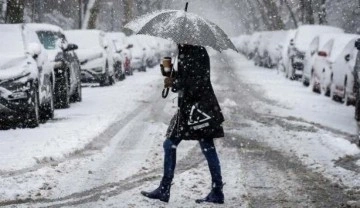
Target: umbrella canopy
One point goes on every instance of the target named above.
(183, 28)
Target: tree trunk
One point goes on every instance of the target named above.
(263, 14)
(322, 13)
(14, 11)
(94, 12)
(128, 11)
(273, 15)
(292, 15)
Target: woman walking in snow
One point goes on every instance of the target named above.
(199, 118)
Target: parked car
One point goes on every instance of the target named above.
(66, 63)
(26, 77)
(138, 54)
(253, 45)
(333, 68)
(261, 57)
(95, 54)
(342, 62)
(275, 48)
(283, 63)
(242, 43)
(300, 44)
(117, 39)
(357, 81)
(316, 59)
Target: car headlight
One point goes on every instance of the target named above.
(17, 84)
(97, 69)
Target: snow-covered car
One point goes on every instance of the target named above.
(26, 77)
(241, 43)
(253, 45)
(316, 57)
(95, 55)
(66, 63)
(300, 45)
(273, 49)
(284, 61)
(138, 54)
(341, 68)
(261, 58)
(116, 42)
(357, 81)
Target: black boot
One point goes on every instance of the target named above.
(162, 192)
(216, 195)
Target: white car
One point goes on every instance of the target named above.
(241, 43)
(253, 45)
(95, 55)
(66, 63)
(341, 65)
(138, 53)
(315, 57)
(323, 74)
(300, 45)
(26, 77)
(275, 47)
(261, 58)
(284, 61)
(116, 41)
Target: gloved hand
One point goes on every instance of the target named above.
(168, 82)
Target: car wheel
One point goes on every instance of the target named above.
(327, 92)
(357, 107)
(62, 91)
(106, 80)
(47, 112)
(77, 97)
(305, 82)
(33, 116)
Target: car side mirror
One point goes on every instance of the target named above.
(357, 44)
(347, 58)
(71, 47)
(34, 49)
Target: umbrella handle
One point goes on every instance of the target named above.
(165, 93)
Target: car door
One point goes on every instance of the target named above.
(45, 67)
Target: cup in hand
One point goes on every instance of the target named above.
(167, 64)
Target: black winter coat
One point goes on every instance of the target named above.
(199, 115)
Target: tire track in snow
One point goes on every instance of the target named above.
(97, 143)
(192, 160)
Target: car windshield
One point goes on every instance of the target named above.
(11, 40)
(48, 39)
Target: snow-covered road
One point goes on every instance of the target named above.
(282, 147)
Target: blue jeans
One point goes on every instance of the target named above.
(207, 148)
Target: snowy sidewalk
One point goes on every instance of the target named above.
(74, 128)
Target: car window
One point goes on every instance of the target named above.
(48, 39)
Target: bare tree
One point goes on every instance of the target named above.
(272, 13)
(292, 14)
(14, 11)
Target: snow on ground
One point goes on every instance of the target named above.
(287, 117)
(323, 127)
(73, 128)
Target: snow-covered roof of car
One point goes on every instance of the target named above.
(85, 39)
(306, 33)
(12, 42)
(44, 27)
(341, 43)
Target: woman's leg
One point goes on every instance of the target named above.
(163, 191)
(170, 146)
(216, 195)
(209, 150)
